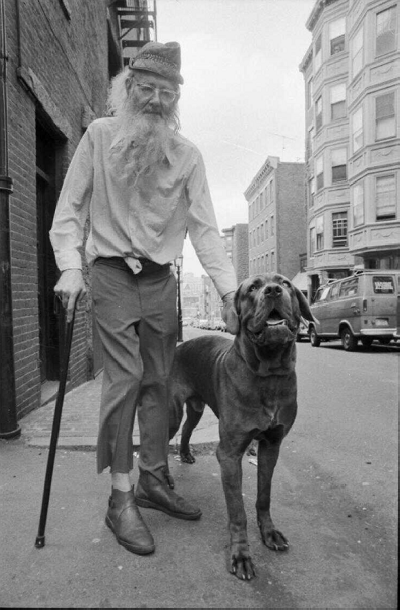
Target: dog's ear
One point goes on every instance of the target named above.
(234, 317)
(304, 307)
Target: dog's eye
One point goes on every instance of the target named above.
(286, 284)
(252, 288)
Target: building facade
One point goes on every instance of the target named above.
(352, 92)
(277, 218)
(60, 58)
(236, 243)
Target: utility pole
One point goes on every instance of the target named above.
(8, 413)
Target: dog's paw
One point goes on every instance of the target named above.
(187, 458)
(275, 540)
(243, 568)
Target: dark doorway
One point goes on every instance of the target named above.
(49, 321)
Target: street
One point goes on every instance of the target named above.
(334, 496)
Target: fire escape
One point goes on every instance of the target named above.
(135, 22)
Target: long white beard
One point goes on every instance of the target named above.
(141, 141)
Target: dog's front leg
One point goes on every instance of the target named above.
(268, 452)
(231, 475)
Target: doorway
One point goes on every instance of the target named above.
(49, 319)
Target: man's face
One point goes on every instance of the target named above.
(152, 94)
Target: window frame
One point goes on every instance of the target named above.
(333, 38)
(358, 204)
(359, 134)
(387, 216)
(340, 101)
(383, 118)
(341, 178)
(340, 229)
(394, 31)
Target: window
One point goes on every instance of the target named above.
(339, 164)
(319, 170)
(318, 53)
(358, 132)
(318, 113)
(349, 287)
(385, 116)
(272, 225)
(338, 101)
(312, 241)
(385, 197)
(319, 229)
(309, 93)
(272, 261)
(358, 45)
(266, 262)
(311, 192)
(337, 31)
(339, 229)
(262, 232)
(358, 204)
(266, 229)
(271, 190)
(386, 31)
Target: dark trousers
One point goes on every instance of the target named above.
(137, 322)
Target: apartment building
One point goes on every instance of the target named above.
(277, 218)
(352, 93)
(236, 242)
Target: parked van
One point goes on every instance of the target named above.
(362, 306)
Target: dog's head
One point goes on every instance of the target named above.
(269, 309)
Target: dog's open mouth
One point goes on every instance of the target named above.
(274, 328)
(274, 319)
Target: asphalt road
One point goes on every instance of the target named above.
(334, 496)
(339, 466)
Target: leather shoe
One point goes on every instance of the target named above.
(123, 518)
(153, 493)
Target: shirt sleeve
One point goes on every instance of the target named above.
(67, 231)
(203, 230)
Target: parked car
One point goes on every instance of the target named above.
(360, 307)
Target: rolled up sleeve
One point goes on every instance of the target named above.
(67, 231)
(203, 230)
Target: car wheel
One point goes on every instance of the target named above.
(367, 341)
(349, 341)
(315, 340)
(385, 341)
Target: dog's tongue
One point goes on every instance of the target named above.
(275, 320)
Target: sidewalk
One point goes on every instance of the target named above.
(79, 422)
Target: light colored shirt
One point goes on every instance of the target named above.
(130, 216)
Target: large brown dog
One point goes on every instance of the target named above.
(250, 384)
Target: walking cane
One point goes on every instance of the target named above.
(40, 538)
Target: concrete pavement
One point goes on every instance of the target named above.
(334, 497)
(79, 422)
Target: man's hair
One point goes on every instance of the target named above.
(118, 98)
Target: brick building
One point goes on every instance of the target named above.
(236, 241)
(277, 218)
(60, 57)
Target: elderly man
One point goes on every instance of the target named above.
(143, 186)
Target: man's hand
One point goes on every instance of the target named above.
(69, 288)
(229, 314)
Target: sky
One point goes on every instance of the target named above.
(243, 96)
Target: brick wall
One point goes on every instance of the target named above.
(57, 68)
(291, 217)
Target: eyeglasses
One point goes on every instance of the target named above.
(166, 95)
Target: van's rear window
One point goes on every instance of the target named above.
(383, 284)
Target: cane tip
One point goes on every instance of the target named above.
(39, 544)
